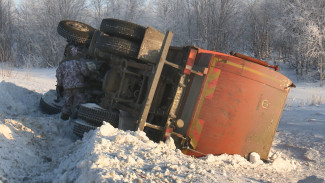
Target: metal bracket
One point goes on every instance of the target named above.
(154, 80)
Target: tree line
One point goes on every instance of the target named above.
(292, 31)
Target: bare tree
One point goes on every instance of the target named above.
(98, 11)
(261, 18)
(164, 11)
(38, 42)
(130, 10)
(205, 23)
(305, 22)
(6, 27)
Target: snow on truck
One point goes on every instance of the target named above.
(208, 102)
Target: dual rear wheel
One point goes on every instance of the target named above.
(90, 115)
(116, 36)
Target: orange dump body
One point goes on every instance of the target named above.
(235, 107)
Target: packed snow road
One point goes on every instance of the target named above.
(36, 147)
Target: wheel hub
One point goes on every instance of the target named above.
(78, 26)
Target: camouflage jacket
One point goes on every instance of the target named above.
(71, 73)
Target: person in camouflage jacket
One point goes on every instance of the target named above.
(70, 76)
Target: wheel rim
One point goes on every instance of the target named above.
(78, 26)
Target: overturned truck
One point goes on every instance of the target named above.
(208, 102)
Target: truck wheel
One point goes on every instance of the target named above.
(75, 31)
(123, 29)
(80, 127)
(118, 46)
(91, 48)
(48, 105)
(95, 115)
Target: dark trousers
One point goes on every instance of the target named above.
(72, 98)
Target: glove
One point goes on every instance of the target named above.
(91, 66)
(59, 90)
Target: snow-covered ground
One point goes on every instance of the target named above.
(36, 147)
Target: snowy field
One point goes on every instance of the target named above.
(36, 147)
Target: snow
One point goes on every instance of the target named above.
(36, 147)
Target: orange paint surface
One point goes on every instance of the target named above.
(240, 103)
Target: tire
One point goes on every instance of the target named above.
(80, 127)
(95, 115)
(123, 29)
(91, 48)
(48, 105)
(75, 31)
(118, 46)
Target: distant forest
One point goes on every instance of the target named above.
(291, 31)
